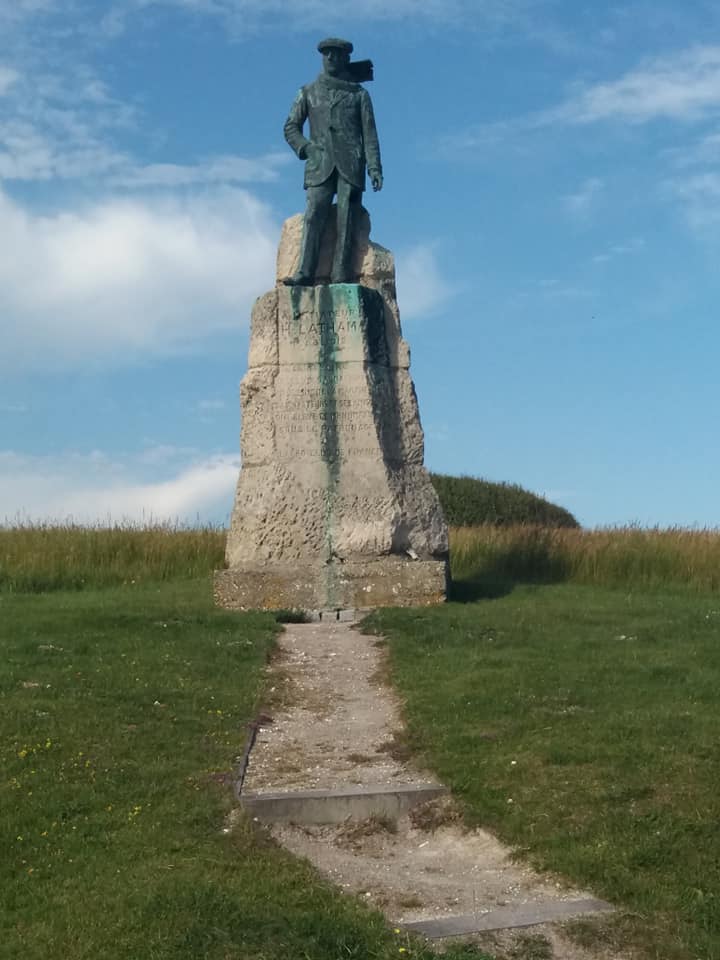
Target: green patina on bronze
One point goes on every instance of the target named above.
(342, 145)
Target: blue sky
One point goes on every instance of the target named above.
(552, 195)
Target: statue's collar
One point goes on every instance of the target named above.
(333, 83)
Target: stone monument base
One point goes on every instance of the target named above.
(354, 585)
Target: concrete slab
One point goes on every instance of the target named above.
(507, 918)
(334, 616)
(336, 806)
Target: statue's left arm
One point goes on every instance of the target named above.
(293, 128)
(371, 142)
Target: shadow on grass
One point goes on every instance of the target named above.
(497, 576)
(472, 590)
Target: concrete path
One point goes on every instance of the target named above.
(328, 778)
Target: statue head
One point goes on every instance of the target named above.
(336, 55)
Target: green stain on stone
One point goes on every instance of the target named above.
(329, 441)
(356, 304)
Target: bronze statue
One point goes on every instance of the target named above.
(343, 140)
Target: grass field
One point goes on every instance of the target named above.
(583, 726)
(121, 713)
(579, 722)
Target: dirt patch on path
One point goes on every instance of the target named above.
(334, 725)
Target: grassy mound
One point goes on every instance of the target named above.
(471, 502)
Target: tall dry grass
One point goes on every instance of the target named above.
(618, 556)
(37, 557)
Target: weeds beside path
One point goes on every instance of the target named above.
(582, 725)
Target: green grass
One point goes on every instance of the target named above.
(582, 725)
(121, 713)
(605, 699)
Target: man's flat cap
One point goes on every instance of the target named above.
(335, 43)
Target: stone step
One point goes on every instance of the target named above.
(334, 616)
(335, 806)
(507, 918)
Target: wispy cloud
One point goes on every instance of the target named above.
(227, 169)
(67, 126)
(704, 150)
(682, 87)
(122, 278)
(580, 203)
(633, 245)
(102, 488)
(421, 285)
(700, 197)
(247, 15)
(685, 86)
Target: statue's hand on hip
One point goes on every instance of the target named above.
(313, 153)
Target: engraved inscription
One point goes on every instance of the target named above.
(301, 419)
(314, 326)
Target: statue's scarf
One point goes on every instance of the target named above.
(334, 83)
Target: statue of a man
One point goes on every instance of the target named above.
(343, 140)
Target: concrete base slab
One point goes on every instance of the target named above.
(507, 918)
(312, 807)
(358, 584)
(334, 616)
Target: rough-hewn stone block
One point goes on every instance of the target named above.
(332, 452)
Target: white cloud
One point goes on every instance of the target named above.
(63, 126)
(703, 151)
(700, 196)
(8, 77)
(128, 277)
(633, 245)
(685, 86)
(15, 10)
(247, 15)
(95, 488)
(580, 203)
(225, 169)
(420, 283)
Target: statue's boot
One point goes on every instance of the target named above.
(341, 276)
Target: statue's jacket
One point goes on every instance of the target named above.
(342, 127)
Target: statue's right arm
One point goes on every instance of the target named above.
(294, 125)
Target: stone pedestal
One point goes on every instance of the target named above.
(334, 508)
